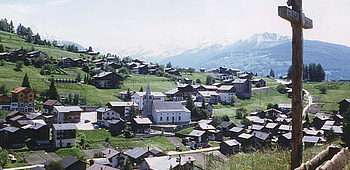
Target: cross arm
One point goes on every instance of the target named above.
(293, 16)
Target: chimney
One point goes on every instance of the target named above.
(148, 149)
(109, 151)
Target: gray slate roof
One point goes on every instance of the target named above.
(232, 142)
(65, 126)
(311, 139)
(10, 129)
(136, 152)
(260, 135)
(196, 133)
(164, 106)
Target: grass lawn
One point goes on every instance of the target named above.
(186, 131)
(3, 113)
(336, 92)
(156, 142)
(256, 102)
(73, 151)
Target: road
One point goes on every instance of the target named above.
(194, 151)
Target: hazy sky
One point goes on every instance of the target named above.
(110, 23)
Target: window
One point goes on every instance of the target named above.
(179, 117)
(30, 95)
(161, 118)
(167, 118)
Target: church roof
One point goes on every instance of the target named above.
(163, 106)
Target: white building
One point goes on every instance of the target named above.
(170, 113)
(67, 114)
(226, 93)
(63, 135)
(139, 96)
(104, 114)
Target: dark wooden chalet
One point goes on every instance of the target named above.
(247, 140)
(200, 137)
(229, 146)
(235, 132)
(49, 104)
(285, 140)
(264, 139)
(13, 137)
(107, 80)
(319, 121)
(186, 90)
(5, 102)
(141, 125)
(116, 126)
(259, 82)
(137, 155)
(226, 126)
(116, 65)
(344, 105)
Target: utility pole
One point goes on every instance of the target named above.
(298, 22)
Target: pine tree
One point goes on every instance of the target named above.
(346, 128)
(128, 96)
(1, 48)
(190, 103)
(272, 73)
(141, 89)
(127, 165)
(25, 82)
(52, 93)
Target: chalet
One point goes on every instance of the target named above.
(312, 132)
(168, 162)
(243, 87)
(186, 90)
(272, 113)
(105, 114)
(271, 128)
(235, 132)
(2, 122)
(5, 102)
(336, 129)
(141, 125)
(13, 137)
(49, 104)
(170, 113)
(122, 108)
(343, 106)
(101, 161)
(116, 158)
(138, 98)
(202, 70)
(124, 93)
(247, 140)
(111, 59)
(40, 135)
(174, 72)
(22, 99)
(226, 126)
(208, 106)
(310, 140)
(156, 153)
(217, 84)
(97, 166)
(285, 108)
(245, 76)
(285, 140)
(209, 88)
(63, 135)
(77, 62)
(72, 163)
(261, 122)
(87, 108)
(116, 126)
(284, 129)
(200, 137)
(205, 127)
(319, 121)
(257, 127)
(264, 139)
(209, 97)
(229, 146)
(222, 76)
(107, 80)
(338, 119)
(188, 80)
(137, 155)
(215, 135)
(175, 95)
(115, 65)
(137, 60)
(93, 53)
(18, 54)
(259, 82)
(227, 93)
(68, 62)
(13, 114)
(67, 114)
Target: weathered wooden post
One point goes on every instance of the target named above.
(298, 22)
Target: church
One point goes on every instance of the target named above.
(164, 112)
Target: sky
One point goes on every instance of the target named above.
(114, 23)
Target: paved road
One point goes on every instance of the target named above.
(194, 151)
(25, 167)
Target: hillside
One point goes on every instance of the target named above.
(263, 52)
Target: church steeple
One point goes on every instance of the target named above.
(147, 102)
(148, 92)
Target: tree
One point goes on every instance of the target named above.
(90, 49)
(209, 80)
(240, 112)
(98, 155)
(189, 103)
(281, 88)
(191, 70)
(11, 28)
(330, 135)
(169, 65)
(272, 73)
(346, 128)
(127, 165)
(3, 90)
(1, 48)
(269, 106)
(52, 93)
(323, 89)
(225, 118)
(246, 122)
(25, 82)
(76, 99)
(55, 165)
(141, 89)
(124, 72)
(3, 157)
(86, 68)
(198, 81)
(39, 62)
(132, 112)
(78, 77)
(233, 100)
(289, 75)
(204, 106)
(19, 65)
(217, 121)
(128, 96)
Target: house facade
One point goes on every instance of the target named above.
(22, 99)
(244, 88)
(227, 93)
(63, 135)
(209, 97)
(107, 80)
(105, 114)
(67, 114)
(122, 108)
(138, 98)
(5, 102)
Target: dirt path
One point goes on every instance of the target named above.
(175, 141)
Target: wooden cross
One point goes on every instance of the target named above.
(298, 22)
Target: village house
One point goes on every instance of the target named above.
(285, 108)
(226, 126)
(200, 137)
(209, 97)
(13, 114)
(186, 90)
(124, 93)
(138, 98)
(247, 140)
(122, 108)
(39, 134)
(68, 62)
(67, 114)
(168, 162)
(70, 163)
(13, 137)
(116, 126)
(227, 93)
(104, 114)
(116, 158)
(344, 105)
(77, 62)
(63, 135)
(49, 104)
(208, 106)
(89, 108)
(236, 131)
(263, 139)
(5, 102)
(97, 166)
(137, 156)
(285, 140)
(22, 99)
(319, 121)
(18, 55)
(170, 113)
(229, 146)
(141, 125)
(310, 140)
(107, 80)
(259, 82)
(112, 59)
(243, 87)
(175, 95)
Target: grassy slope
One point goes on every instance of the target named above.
(335, 93)
(13, 41)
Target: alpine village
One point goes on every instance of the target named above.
(74, 109)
